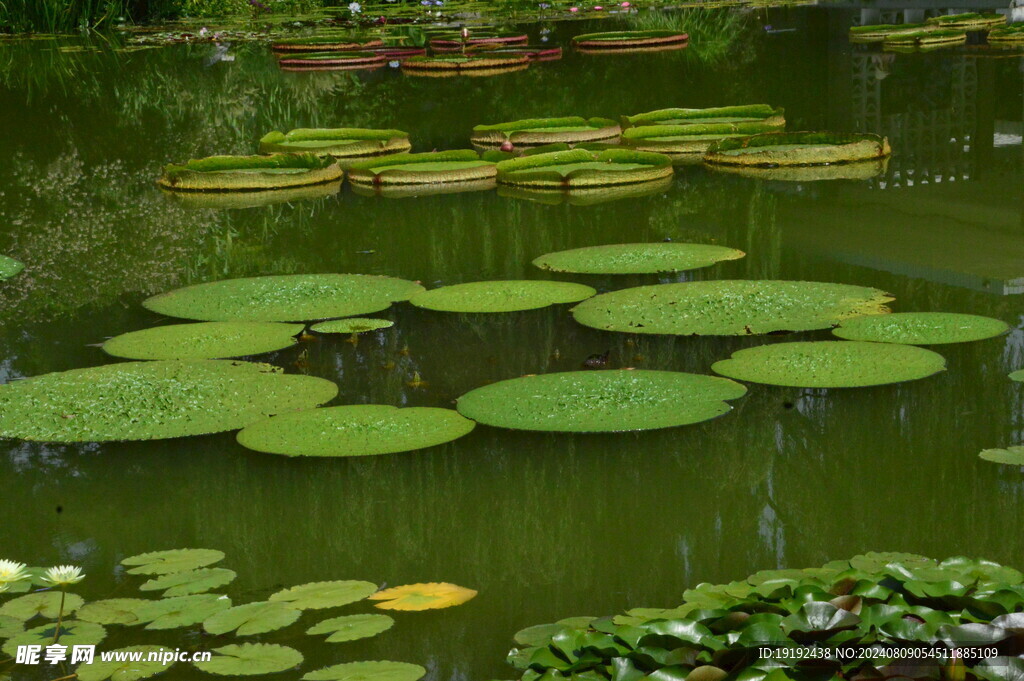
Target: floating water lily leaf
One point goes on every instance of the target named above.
(501, 296)
(9, 267)
(729, 308)
(601, 401)
(190, 582)
(172, 560)
(352, 325)
(181, 611)
(355, 430)
(920, 328)
(284, 298)
(112, 611)
(1017, 375)
(72, 633)
(252, 618)
(152, 400)
(636, 258)
(431, 596)
(129, 670)
(12, 626)
(43, 603)
(205, 340)
(250, 659)
(368, 671)
(352, 627)
(831, 364)
(1012, 456)
(316, 595)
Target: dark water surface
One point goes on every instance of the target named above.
(544, 525)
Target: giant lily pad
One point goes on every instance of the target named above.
(112, 611)
(352, 627)
(540, 131)
(72, 633)
(205, 340)
(251, 659)
(9, 267)
(368, 671)
(436, 167)
(600, 401)
(636, 258)
(742, 113)
(1011, 456)
(252, 618)
(189, 582)
(631, 40)
(326, 43)
(152, 400)
(454, 64)
(352, 325)
(415, 597)
(729, 308)
(341, 143)
(317, 595)
(797, 148)
(968, 21)
(250, 173)
(171, 561)
(920, 328)
(831, 364)
(126, 670)
(332, 61)
(42, 603)
(355, 430)
(501, 296)
(284, 298)
(582, 168)
(181, 611)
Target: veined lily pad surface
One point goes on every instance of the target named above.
(207, 340)
(352, 325)
(352, 627)
(171, 561)
(921, 328)
(600, 401)
(252, 618)
(355, 430)
(831, 364)
(368, 671)
(125, 669)
(636, 258)
(501, 296)
(251, 659)
(42, 603)
(112, 611)
(1011, 456)
(181, 611)
(283, 298)
(415, 597)
(72, 633)
(152, 400)
(316, 595)
(190, 581)
(9, 267)
(729, 308)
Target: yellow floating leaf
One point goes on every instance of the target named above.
(422, 596)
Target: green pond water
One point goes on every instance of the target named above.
(545, 526)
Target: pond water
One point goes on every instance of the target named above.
(545, 526)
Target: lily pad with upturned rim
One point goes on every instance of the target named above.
(317, 595)
(251, 659)
(501, 296)
(368, 671)
(72, 633)
(352, 325)
(428, 596)
(355, 430)
(189, 582)
(125, 670)
(601, 401)
(921, 328)
(1011, 456)
(203, 340)
(9, 267)
(641, 258)
(252, 618)
(831, 364)
(584, 168)
(352, 627)
(171, 561)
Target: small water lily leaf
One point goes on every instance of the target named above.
(501, 296)
(190, 581)
(1000, 669)
(355, 430)
(352, 627)
(729, 308)
(538, 635)
(636, 258)
(72, 633)
(203, 340)
(10, 626)
(368, 671)
(431, 596)
(252, 618)
(250, 659)
(9, 267)
(920, 328)
(284, 298)
(831, 364)
(129, 670)
(1018, 375)
(152, 400)
(352, 325)
(172, 560)
(181, 611)
(44, 603)
(600, 401)
(317, 595)
(112, 611)
(1011, 456)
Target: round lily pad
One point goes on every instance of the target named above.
(43, 603)
(181, 611)
(252, 618)
(72, 633)
(831, 364)
(368, 671)
(430, 596)
(1011, 456)
(1017, 375)
(190, 582)
(251, 659)
(9, 267)
(352, 325)
(205, 340)
(12, 626)
(152, 400)
(501, 296)
(284, 298)
(125, 670)
(601, 401)
(729, 308)
(316, 595)
(920, 328)
(112, 611)
(636, 258)
(352, 627)
(355, 430)
(171, 560)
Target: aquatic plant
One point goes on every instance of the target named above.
(717, 34)
(797, 148)
(332, 61)
(455, 42)
(206, 340)
(351, 627)
(439, 167)
(1007, 35)
(340, 143)
(501, 296)
(1011, 456)
(541, 131)
(741, 113)
(453, 64)
(970, 21)
(636, 258)
(416, 597)
(583, 168)
(250, 173)
(921, 328)
(694, 138)
(326, 44)
(877, 33)
(352, 325)
(929, 38)
(9, 267)
(629, 40)
(359, 671)
(585, 196)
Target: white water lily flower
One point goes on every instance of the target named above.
(355, 7)
(62, 575)
(11, 571)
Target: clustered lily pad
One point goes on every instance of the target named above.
(352, 325)
(43, 604)
(125, 669)
(206, 340)
(579, 168)
(112, 611)
(921, 328)
(72, 633)
(644, 258)
(416, 597)
(501, 296)
(368, 671)
(600, 401)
